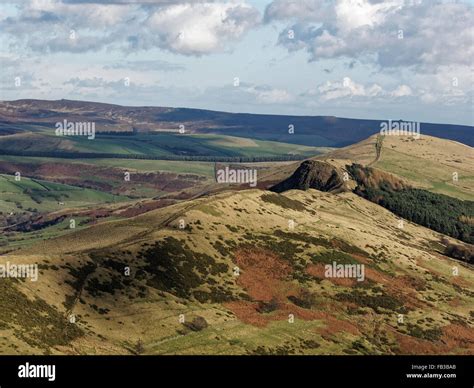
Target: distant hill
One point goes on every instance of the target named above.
(428, 162)
(321, 131)
(428, 180)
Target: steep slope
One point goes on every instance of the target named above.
(242, 272)
(314, 174)
(450, 214)
(438, 165)
(445, 214)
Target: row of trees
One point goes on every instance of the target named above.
(191, 158)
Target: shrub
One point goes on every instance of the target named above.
(460, 252)
(282, 201)
(267, 307)
(305, 299)
(197, 324)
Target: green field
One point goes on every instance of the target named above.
(173, 166)
(23, 239)
(18, 196)
(159, 144)
(433, 176)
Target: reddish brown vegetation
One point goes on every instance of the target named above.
(318, 270)
(267, 278)
(457, 335)
(263, 274)
(109, 179)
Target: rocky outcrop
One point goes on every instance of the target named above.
(313, 174)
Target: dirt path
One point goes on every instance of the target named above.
(378, 150)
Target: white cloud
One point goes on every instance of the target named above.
(433, 90)
(302, 10)
(273, 96)
(183, 27)
(346, 88)
(202, 28)
(423, 43)
(350, 89)
(351, 14)
(401, 91)
(434, 32)
(429, 70)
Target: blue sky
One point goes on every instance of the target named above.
(399, 59)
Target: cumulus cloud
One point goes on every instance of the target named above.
(301, 10)
(200, 28)
(435, 90)
(394, 32)
(402, 91)
(183, 27)
(449, 86)
(415, 53)
(349, 89)
(428, 43)
(346, 88)
(270, 95)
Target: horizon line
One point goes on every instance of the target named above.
(230, 112)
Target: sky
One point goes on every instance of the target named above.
(377, 59)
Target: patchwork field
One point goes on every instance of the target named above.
(135, 178)
(46, 196)
(153, 145)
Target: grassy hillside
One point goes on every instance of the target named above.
(430, 163)
(174, 166)
(189, 266)
(318, 131)
(445, 214)
(238, 279)
(147, 178)
(17, 196)
(159, 144)
(32, 210)
(427, 163)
